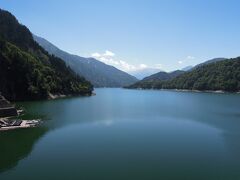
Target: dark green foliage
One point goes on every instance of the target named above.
(223, 75)
(29, 72)
(15, 33)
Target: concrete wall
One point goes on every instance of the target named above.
(8, 112)
(6, 109)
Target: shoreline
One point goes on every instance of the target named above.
(188, 90)
(59, 96)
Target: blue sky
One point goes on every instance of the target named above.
(135, 34)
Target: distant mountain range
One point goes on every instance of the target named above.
(27, 71)
(163, 76)
(98, 73)
(155, 72)
(166, 76)
(142, 73)
(187, 68)
(216, 74)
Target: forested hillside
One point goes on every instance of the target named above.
(222, 75)
(27, 71)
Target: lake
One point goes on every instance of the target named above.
(122, 134)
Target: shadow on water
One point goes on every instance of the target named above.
(17, 145)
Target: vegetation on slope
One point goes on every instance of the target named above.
(163, 76)
(223, 75)
(27, 71)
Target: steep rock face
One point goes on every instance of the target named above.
(6, 109)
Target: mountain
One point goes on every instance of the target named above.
(209, 62)
(217, 75)
(98, 73)
(163, 76)
(142, 73)
(160, 76)
(187, 68)
(27, 71)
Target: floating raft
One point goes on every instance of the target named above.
(7, 124)
(8, 111)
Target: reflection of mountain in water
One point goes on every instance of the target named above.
(17, 145)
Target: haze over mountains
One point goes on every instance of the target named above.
(145, 72)
(97, 72)
(187, 68)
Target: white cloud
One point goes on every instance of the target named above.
(140, 70)
(143, 66)
(96, 55)
(190, 57)
(158, 66)
(109, 53)
(126, 66)
(186, 59)
(109, 58)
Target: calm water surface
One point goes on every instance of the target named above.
(127, 135)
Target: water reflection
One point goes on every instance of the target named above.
(131, 115)
(16, 145)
